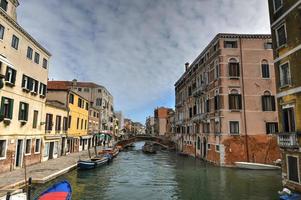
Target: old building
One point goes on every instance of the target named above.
(24, 66)
(94, 115)
(170, 124)
(56, 126)
(160, 120)
(149, 124)
(286, 33)
(225, 102)
(99, 97)
(78, 114)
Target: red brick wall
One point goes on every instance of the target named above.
(213, 156)
(189, 149)
(262, 149)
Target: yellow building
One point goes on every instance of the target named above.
(24, 66)
(56, 126)
(78, 114)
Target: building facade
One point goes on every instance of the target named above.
(56, 127)
(160, 120)
(225, 102)
(149, 124)
(286, 33)
(78, 115)
(94, 116)
(24, 66)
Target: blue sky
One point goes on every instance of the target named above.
(135, 48)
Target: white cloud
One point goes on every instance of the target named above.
(136, 48)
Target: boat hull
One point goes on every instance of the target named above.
(256, 166)
(59, 191)
(91, 164)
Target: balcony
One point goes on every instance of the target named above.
(199, 117)
(288, 140)
(199, 91)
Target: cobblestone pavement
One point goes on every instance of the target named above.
(41, 171)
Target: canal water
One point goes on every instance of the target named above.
(135, 175)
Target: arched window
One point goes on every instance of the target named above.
(234, 100)
(98, 102)
(234, 71)
(268, 102)
(265, 70)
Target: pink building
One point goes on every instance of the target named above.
(225, 102)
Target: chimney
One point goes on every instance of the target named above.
(74, 83)
(186, 66)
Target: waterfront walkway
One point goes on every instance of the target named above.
(41, 172)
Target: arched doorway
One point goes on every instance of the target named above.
(199, 143)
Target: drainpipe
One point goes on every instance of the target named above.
(244, 102)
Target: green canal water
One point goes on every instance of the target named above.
(134, 175)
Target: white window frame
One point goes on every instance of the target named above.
(28, 154)
(239, 128)
(280, 72)
(287, 169)
(276, 33)
(276, 10)
(5, 152)
(10, 76)
(35, 147)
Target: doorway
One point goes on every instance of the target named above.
(51, 148)
(19, 153)
(204, 153)
(63, 146)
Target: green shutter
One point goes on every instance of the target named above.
(2, 108)
(11, 108)
(13, 79)
(20, 111)
(26, 111)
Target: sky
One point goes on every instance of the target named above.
(135, 48)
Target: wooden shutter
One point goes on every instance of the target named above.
(238, 70)
(13, 78)
(20, 111)
(11, 108)
(262, 103)
(26, 111)
(273, 103)
(2, 108)
(239, 101)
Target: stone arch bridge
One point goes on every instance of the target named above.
(162, 141)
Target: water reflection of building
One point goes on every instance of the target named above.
(286, 33)
(225, 102)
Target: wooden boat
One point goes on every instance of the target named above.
(149, 149)
(111, 151)
(59, 191)
(93, 162)
(256, 166)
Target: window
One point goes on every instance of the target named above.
(35, 119)
(49, 122)
(190, 112)
(268, 102)
(1, 31)
(7, 106)
(45, 63)
(10, 76)
(98, 102)
(15, 42)
(26, 82)
(230, 44)
(28, 147)
(216, 101)
(217, 127)
(46, 149)
(208, 146)
(268, 45)
(69, 121)
(99, 90)
(37, 57)
(79, 103)
(234, 100)
(285, 76)
(65, 124)
(55, 148)
(271, 127)
(86, 90)
(23, 111)
(265, 71)
(206, 127)
(77, 125)
(217, 147)
(216, 74)
(35, 86)
(82, 123)
(281, 35)
(85, 124)
(87, 106)
(42, 90)
(234, 127)
(29, 53)
(79, 89)
(234, 71)
(58, 121)
(293, 168)
(37, 146)
(3, 4)
(288, 120)
(277, 4)
(71, 98)
(2, 149)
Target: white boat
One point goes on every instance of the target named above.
(256, 166)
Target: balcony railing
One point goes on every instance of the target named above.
(288, 140)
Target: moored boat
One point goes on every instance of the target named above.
(256, 166)
(149, 148)
(59, 191)
(112, 151)
(93, 162)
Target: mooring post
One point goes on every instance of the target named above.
(8, 196)
(29, 188)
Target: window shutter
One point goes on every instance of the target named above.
(29, 85)
(230, 101)
(262, 103)
(26, 112)
(6, 74)
(238, 69)
(11, 108)
(13, 78)
(2, 107)
(20, 111)
(239, 100)
(273, 103)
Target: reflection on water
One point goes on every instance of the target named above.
(134, 175)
